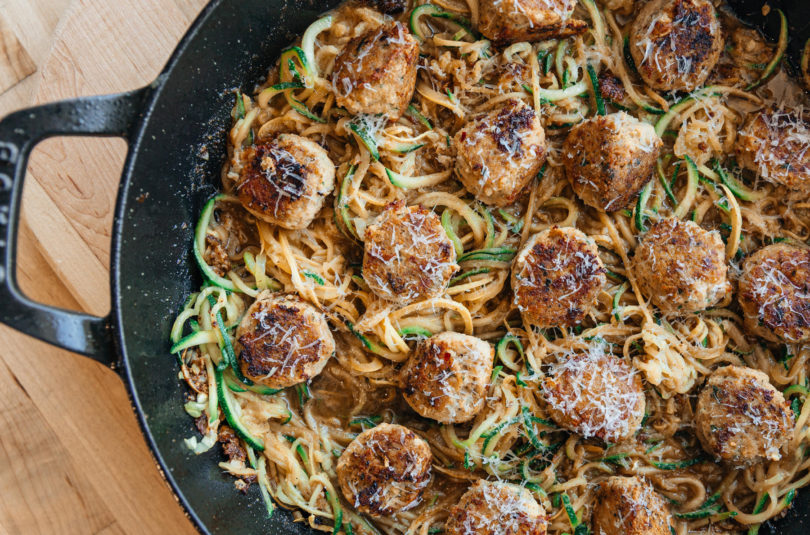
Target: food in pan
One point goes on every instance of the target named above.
(517, 267)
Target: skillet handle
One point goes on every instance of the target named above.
(109, 115)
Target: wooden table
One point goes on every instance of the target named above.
(72, 458)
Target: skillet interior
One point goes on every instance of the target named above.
(173, 169)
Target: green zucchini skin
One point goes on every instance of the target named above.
(199, 246)
(225, 402)
(781, 47)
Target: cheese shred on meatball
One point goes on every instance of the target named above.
(557, 276)
(629, 506)
(776, 144)
(675, 44)
(285, 180)
(283, 341)
(489, 508)
(384, 470)
(596, 395)
(608, 159)
(774, 293)
(447, 376)
(741, 418)
(681, 267)
(500, 152)
(408, 255)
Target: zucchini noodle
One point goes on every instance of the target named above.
(292, 438)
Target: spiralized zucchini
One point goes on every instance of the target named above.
(293, 443)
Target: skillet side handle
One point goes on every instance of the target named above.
(109, 115)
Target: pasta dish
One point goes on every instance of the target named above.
(514, 267)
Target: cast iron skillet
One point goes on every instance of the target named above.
(175, 130)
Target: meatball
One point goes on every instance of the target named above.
(283, 340)
(774, 293)
(676, 43)
(741, 418)
(447, 376)
(511, 21)
(776, 144)
(496, 509)
(595, 394)
(630, 506)
(608, 159)
(408, 255)
(681, 267)
(500, 152)
(384, 470)
(556, 277)
(376, 72)
(284, 181)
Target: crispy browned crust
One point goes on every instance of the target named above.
(681, 267)
(295, 354)
(502, 23)
(496, 509)
(765, 145)
(687, 32)
(606, 170)
(407, 254)
(384, 470)
(740, 417)
(267, 185)
(556, 277)
(611, 86)
(284, 181)
(499, 152)
(773, 293)
(383, 80)
(447, 376)
(629, 506)
(576, 411)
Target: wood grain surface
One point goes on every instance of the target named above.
(72, 458)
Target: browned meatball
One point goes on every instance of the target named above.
(500, 152)
(496, 509)
(676, 43)
(629, 506)
(384, 470)
(283, 340)
(595, 394)
(408, 255)
(557, 276)
(681, 267)
(285, 180)
(446, 378)
(774, 293)
(510, 21)
(776, 144)
(740, 417)
(608, 159)
(376, 72)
